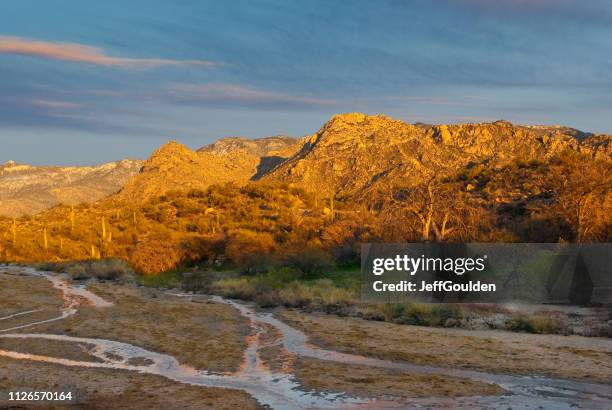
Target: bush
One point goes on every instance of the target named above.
(111, 269)
(78, 272)
(105, 269)
(250, 250)
(237, 288)
(155, 256)
(520, 324)
(310, 262)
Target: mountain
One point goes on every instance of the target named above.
(28, 189)
(354, 153)
(358, 179)
(177, 167)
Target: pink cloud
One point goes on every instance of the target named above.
(80, 53)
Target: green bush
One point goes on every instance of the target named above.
(520, 324)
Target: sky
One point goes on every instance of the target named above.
(88, 82)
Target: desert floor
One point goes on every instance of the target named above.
(154, 349)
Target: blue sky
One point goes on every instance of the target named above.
(85, 82)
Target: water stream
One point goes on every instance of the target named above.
(280, 389)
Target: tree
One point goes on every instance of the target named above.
(582, 189)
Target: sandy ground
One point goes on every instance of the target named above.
(51, 348)
(213, 336)
(39, 294)
(116, 389)
(365, 381)
(573, 357)
(206, 336)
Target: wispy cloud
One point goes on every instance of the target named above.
(54, 104)
(234, 94)
(80, 53)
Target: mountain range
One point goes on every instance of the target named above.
(28, 189)
(352, 155)
(356, 154)
(358, 179)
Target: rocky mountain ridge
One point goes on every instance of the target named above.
(354, 152)
(177, 167)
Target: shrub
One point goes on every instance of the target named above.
(250, 250)
(105, 269)
(310, 262)
(545, 324)
(155, 256)
(237, 288)
(111, 269)
(78, 271)
(519, 324)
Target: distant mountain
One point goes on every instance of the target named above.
(177, 167)
(28, 189)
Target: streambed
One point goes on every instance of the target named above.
(280, 389)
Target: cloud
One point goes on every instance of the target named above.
(54, 104)
(80, 53)
(590, 12)
(234, 94)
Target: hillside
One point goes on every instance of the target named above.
(27, 189)
(353, 153)
(177, 167)
(359, 179)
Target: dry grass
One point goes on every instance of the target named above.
(207, 336)
(21, 293)
(102, 389)
(364, 381)
(494, 351)
(51, 348)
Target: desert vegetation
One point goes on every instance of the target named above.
(259, 225)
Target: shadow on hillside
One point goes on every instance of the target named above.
(266, 164)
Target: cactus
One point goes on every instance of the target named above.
(95, 253)
(103, 229)
(14, 230)
(72, 219)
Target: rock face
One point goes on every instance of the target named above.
(271, 151)
(354, 153)
(177, 167)
(27, 189)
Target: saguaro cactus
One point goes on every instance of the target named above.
(14, 230)
(95, 253)
(45, 239)
(103, 229)
(72, 219)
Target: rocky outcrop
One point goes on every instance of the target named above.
(28, 189)
(176, 167)
(354, 152)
